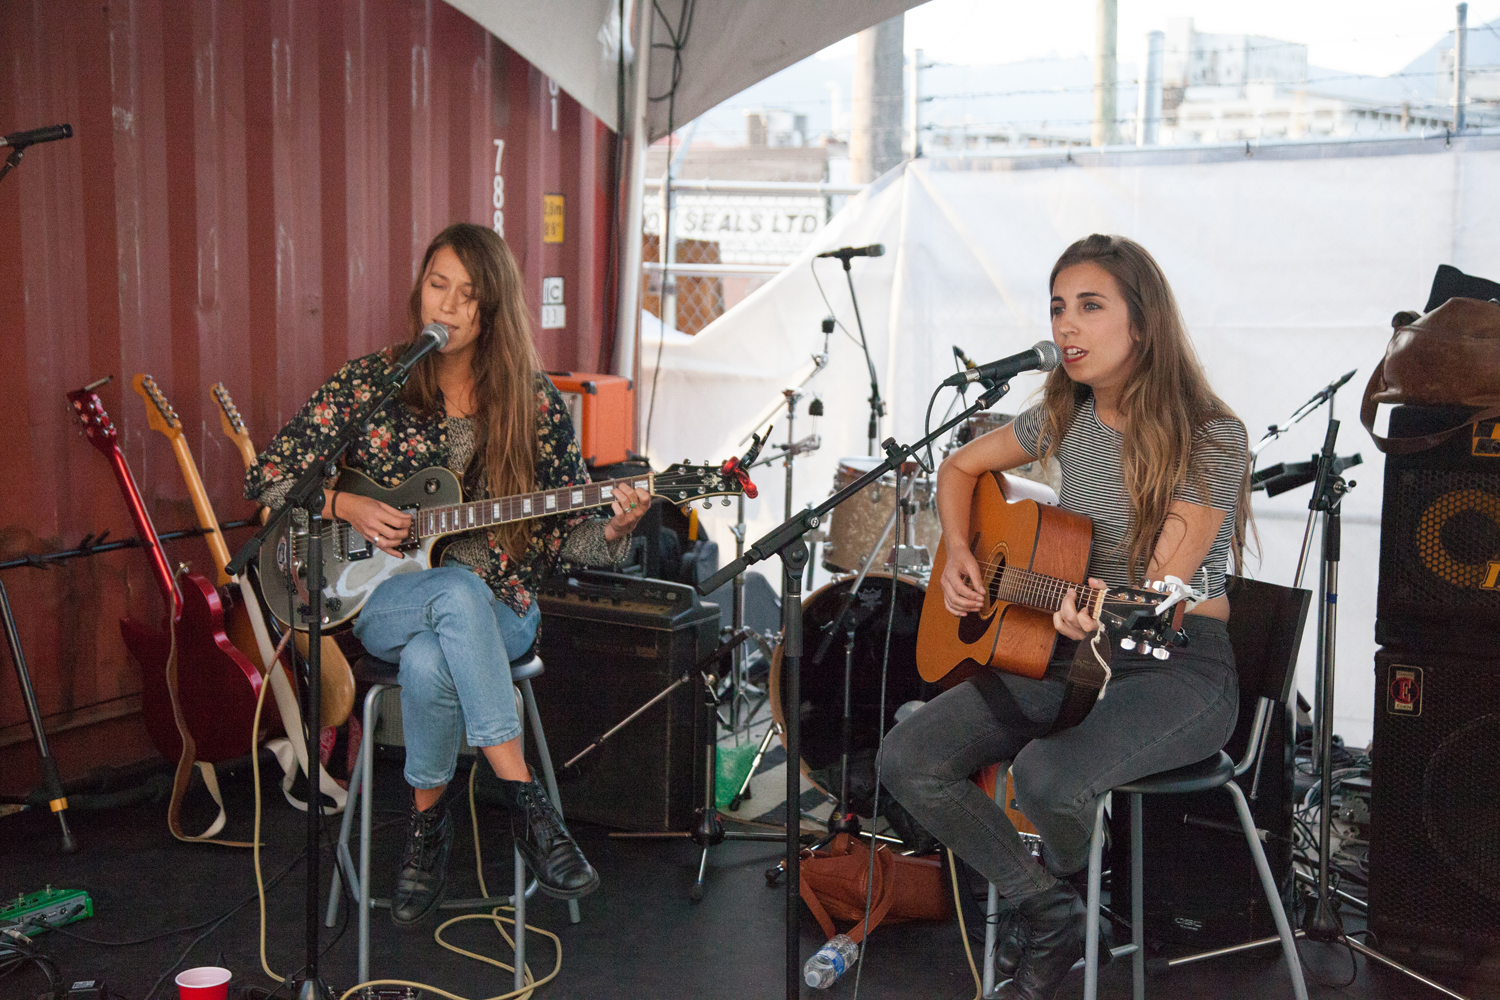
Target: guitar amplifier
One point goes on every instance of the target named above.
(603, 410)
(610, 643)
(1440, 536)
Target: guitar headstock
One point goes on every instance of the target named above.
(160, 416)
(1149, 619)
(229, 414)
(684, 482)
(89, 409)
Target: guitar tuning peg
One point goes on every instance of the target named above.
(708, 505)
(724, 502)
(1127, 644)
(1160, 652)
(1145, 648)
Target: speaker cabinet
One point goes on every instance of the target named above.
(1440, 536)
(1435, 807)
(609, 644)
(1200, 883)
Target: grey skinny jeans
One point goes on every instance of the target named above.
(1155, 715)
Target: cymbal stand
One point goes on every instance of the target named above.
(1322, 922)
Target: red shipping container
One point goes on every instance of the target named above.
(603, 408)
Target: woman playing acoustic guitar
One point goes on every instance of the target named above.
(482, 408)
(1160, 465)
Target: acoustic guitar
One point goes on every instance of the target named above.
(215, 684)
(338, 679)
(1030, 554)
(353, 567)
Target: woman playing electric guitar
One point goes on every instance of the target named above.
(481, 407)
(1160, 465)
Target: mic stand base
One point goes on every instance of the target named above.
(314, 989)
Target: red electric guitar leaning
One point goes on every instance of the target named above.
(199, 704)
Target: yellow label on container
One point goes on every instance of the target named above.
(552, 218)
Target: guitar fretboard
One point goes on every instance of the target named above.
(486, 513)
(1045, 593)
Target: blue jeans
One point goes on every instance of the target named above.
(454, 642)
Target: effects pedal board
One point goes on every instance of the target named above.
(40, 911)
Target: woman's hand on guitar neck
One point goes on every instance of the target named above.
(379, 522)
(1069, 620)
(961, 581)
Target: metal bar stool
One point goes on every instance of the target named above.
(1265, 630)
(380, 676)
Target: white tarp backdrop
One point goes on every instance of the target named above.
(731, 44)
(1287, 262)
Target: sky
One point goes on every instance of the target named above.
(1356, 36)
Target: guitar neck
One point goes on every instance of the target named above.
(1046, 593)
(142, 518)
(206, 517)
(446, 520)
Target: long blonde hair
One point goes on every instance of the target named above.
(1166, 397)
(504, 366)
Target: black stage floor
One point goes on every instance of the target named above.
(640, 936)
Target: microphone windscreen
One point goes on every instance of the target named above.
(438, 332)
(877, 249)
(1050, 354)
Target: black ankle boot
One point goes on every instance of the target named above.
(424, 864)
(561, 870)
(1056, 919)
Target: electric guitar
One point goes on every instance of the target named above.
(1030, 555)
(353, 567)
(215, 685)
(338, 679)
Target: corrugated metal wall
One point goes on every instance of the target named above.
(246, 199)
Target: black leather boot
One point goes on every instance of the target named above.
(1056, 919)
(424, 864)
(561, 870)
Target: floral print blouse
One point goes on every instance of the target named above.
(399, 443)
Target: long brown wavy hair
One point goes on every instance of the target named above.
(505, 366)
(1165, 398)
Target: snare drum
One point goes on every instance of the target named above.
(856, 524)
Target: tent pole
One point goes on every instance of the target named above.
(627, 333)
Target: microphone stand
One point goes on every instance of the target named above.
(786, 541)
(877, 405)
(1321, 922)
(307, 495)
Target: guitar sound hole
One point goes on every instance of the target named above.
(993, 590)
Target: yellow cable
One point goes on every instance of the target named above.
(494, 915)
(963, 931)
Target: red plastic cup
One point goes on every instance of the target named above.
(208, 982)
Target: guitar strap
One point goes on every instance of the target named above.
(1087, 676)
(184, 776)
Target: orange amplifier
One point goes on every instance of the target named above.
(603, 408)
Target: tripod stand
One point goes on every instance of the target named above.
(1322, 922)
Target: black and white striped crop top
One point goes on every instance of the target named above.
(1093, 485)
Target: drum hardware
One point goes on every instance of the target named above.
(786, 541)
(854, 525)
(707, 827)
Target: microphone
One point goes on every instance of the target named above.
(30, 137)
(434, 337)
(873, 250)
(1043, 356)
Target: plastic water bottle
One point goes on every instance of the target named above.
(830, 961)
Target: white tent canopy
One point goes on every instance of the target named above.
(1287, 264)
(731, 44)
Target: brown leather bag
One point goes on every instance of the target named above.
(834, 881)
(1450, 356)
